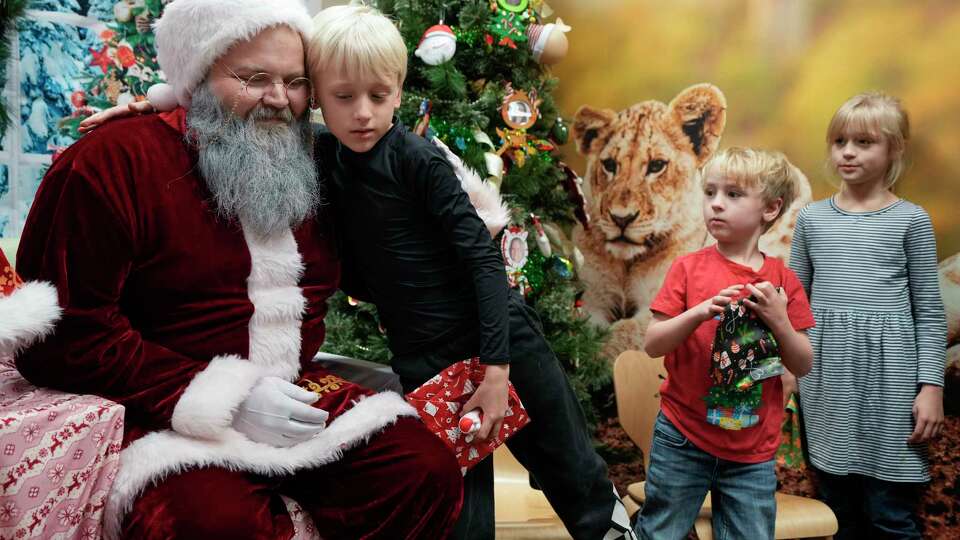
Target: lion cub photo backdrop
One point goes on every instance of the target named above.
(649, 81)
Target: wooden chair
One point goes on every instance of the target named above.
(522, 513)
(636, 381)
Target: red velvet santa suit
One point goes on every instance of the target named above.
(175, 313)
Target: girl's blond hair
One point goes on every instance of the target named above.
(770, 171)
(359, 40)
(878, 114)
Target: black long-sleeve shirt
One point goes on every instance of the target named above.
(413, 245)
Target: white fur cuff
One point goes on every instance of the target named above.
(27, 315)
(206, 408)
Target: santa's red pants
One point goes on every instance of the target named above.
(404, 483)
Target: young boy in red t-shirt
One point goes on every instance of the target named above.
(693, 451)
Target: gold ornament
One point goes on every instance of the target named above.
(519, 112)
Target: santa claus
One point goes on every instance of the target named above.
(193, 265)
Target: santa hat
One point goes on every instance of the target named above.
(437, 30)
(192, 34)
(27, 310)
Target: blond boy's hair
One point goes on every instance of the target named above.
(359, 40)
(769, 171)
(875, 113)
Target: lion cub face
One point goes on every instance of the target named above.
(641, 168)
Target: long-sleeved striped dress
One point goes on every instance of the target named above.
(881, 332)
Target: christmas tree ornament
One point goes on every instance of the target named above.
(143, 23)
(541, 237)
(123, 11)
(423, 124)
(519, 112)
(578, 306)
(533, 273)
(112, 88)
(78, 98)
(509, 27)
(494, 168)
(561, 266)
(482, 138)
(102, 58)
(560, 131)
(516, 6)
(548, 42)
(577, 260)
(513, 246)
(437, 45)
(574, 186)
(125, 56)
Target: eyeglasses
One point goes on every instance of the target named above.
(258, 84)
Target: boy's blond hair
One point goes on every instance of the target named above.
(359, 40)
(878, 114)
(769, 171)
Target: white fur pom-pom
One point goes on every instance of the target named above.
(162, 97)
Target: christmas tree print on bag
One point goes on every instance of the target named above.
(744, 353)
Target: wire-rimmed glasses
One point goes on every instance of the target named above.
(257, 85)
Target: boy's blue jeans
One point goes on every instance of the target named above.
(678, 478)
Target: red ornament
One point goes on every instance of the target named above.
(126, 57)
(101, 58)
(488, 39)
(78, 98)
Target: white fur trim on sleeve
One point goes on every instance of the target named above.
(206, 408)
(27, 315)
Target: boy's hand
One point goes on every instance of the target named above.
(491, 398)
(116, 112)
(711, 307)
(928, 413)
(771, 304)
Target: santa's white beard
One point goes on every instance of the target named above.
(261, 175)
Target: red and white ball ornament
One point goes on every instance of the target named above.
(437, 45)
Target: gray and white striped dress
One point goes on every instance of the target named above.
(881, 332)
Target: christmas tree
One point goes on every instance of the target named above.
(479, 80)
(126, 57)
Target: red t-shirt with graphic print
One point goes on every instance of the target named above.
(692, 279)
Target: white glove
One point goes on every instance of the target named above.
(278, 413)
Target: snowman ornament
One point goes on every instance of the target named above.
(437, 45)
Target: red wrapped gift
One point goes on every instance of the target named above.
(440, 399)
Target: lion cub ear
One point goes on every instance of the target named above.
(591, 126)
(701, 112)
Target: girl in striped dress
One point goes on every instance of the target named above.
(868, 262)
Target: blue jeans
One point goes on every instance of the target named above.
(678, 478)
(867, 507)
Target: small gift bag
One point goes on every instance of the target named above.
(439, 402)
(744, 349)
(744, 353)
